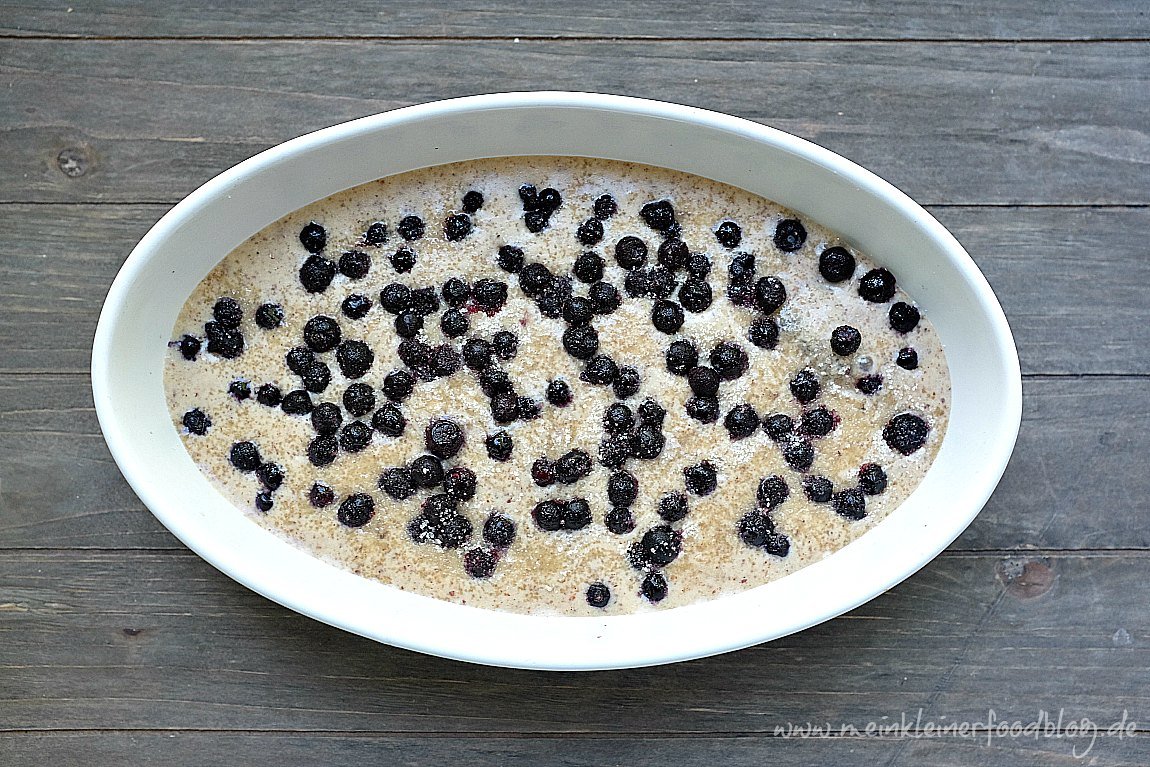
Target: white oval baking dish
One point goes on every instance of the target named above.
(161, 272)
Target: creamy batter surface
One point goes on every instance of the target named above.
(647, 489)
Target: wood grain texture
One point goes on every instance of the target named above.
(193, 749)
(148, 641)
(58, 260)
(60, 488)
(903, 19)
(948, 123)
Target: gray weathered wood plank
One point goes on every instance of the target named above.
(144, 641)
(908, 19)
(1069, 484)
(949, 123)
(57, 262)
(193, 749)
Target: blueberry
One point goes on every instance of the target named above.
(536, 221)
(741, 421)
(622, 488)
(673, 254)
(316, 274)
(410, 228)
(559, 393)
(729, 234)
(240, 389)
(849, 503)
(297, 402)
(397, 385)
(321, 333)
(460, 483)
(444, 361)
(443, 437)
(326, 418)
(354, 264)
(453, 323)
(322, 450)
(376, 234)
(764, 332)
(790, 234)
(355, 358)
(704, 381)
(506, 344)
(703, 409)
(647, 442)
(480, 563)
(224, 342)
(655, 282)
(396, 482)
(320, 495)
(798, 453)
(189, 347)
(701, 479)
(455, 292)
(600, 370)
(356, 510)
(667, 317)
(355, 436)
(614, 450)
(316, 377)
(619, 521)
(590, 232)
(695, 295)
(907, 358)
(504, 408)
(550, 199)
(415, 354)
(605, 207)
(805, 385)
(245, 456)
(313, 237)
(673, 507)
(659, 215)
(408, 324)
(499, 446)
(299, 359)
(499, 531)
(269, 316)
(741, 295)
(817, 422)
(630, 252)
(552, 300)
(905, 433)
(651, 413)
(572, 466)
(578, 311)
(402, 260)
(196, 421)
(264, 501)
(576, 514)
(598, 595)
(477, 354)
(509, 258)
(903, 317)
(778, 426)
(426, 472)
(817, 489)
(742, 269)
(681, 356)
(389, 420)
(604, 297)
(773, 490)
(770, 294)
(729, 360)
(494, 381)
(588, 267)
(877, 286)
(756, 528)
(394, 298)
(548, 515)
(581, 341)
(425, 301)
(836, 264)
(269, 395)
(626, 383)
(845, 340)
(472, 201)
(869, 384)
(533, 278)
(654, 587)
(618, 419)
(872, 479)
(356, 306)
(227, 313)
(699, 265)
(489, 295)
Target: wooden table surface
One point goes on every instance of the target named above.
(1024, 127)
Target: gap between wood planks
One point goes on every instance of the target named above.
(573, 38)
